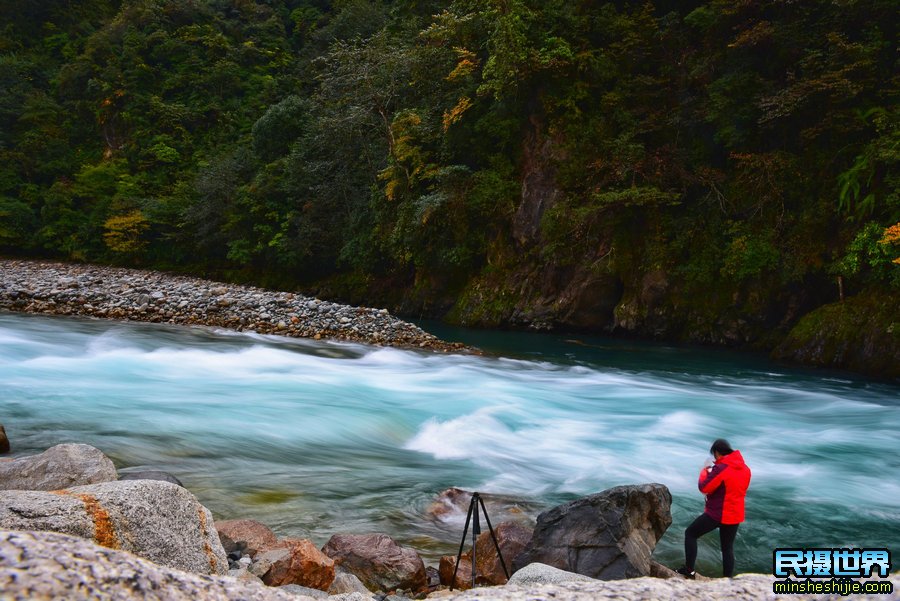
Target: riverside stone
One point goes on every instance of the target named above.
(31, 286)
(512, 538)
(345, 582)
(61, 466)
(156, 520)
(298, 561)
(609, 535)
(378, 561)
(246, 536)
(539, 573)
(45, 566)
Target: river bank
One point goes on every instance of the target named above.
(151, 296)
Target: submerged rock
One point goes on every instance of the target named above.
(609, 535)
(58, 467)
(156, 520)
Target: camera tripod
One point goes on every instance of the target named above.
(476, 530)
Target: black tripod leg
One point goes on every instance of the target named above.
(476, 530)
(462, 542)
(494, 538)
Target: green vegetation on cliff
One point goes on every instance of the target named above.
(706, 171)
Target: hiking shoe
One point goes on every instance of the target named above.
(689, 574)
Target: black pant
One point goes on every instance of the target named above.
(701, 526)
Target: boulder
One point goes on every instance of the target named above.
(44, 566)
(453, 503)
(296, 561)
(151, 475)
(463, 581)
(156, 520)
(539, 573)
(512, 538)
(609, 535)
(345, 582)
(4, 441)
(62, 466)
(378, 561)
(246, 536)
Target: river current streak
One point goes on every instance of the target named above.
(316, 438)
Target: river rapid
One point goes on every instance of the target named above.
(315, 438)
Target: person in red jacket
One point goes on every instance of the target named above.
(725, 486)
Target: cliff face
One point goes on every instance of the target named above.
(860, 334)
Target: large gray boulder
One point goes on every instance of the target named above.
(609, 535)
(62, 466)
(378, 561)
(44, 566)
(156, 520)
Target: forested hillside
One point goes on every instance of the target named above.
(702, 171)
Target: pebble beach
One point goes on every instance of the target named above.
(151, 296)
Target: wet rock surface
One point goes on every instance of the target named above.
(129, 294)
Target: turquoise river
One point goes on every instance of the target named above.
(316, 438)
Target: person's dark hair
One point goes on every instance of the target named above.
(721, 447)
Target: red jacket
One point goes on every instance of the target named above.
(725, 487)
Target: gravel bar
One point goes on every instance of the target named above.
(157, 297)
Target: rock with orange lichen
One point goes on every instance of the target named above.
(156, 520)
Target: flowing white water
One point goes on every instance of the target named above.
(315, 438)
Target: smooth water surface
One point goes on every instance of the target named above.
(316, 438)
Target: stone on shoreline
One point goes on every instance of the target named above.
(61, 466)
(156, 520)
(378, 561)
(296, 561)
(4, 441)
(246, 536)
(539, 573)
(45, 566)
(609, 535)
(512, 538)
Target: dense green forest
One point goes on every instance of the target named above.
(706, 171)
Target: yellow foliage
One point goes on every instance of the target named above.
(456, 113)
(466, 65)
(892, 237)
(123, 232)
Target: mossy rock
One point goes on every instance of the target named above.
(861, 334)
